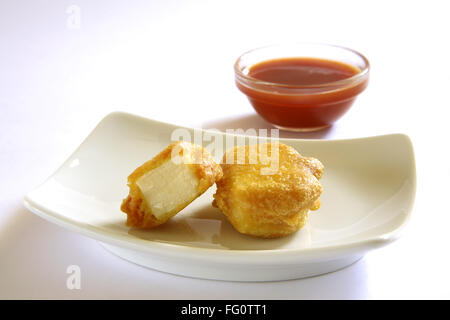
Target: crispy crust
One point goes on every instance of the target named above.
(269, 205)
(202, 164)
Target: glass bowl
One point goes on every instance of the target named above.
(300, 107)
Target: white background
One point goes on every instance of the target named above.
(172, 61)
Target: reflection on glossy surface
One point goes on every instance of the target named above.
(385, 213)
(207, 227)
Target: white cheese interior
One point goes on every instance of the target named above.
(168, 186)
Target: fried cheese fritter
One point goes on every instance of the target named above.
(164, 185)
(272, 203)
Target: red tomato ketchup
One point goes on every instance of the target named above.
(302, 93)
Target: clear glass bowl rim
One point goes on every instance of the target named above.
(356, 78)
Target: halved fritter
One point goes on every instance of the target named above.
(164, 185)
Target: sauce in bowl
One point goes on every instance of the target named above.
(302, 71)
(302, 93)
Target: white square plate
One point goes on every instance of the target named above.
(369, 187)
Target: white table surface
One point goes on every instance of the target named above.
(172, 61)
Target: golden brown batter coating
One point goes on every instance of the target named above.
(268, 205)
(169, 186)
